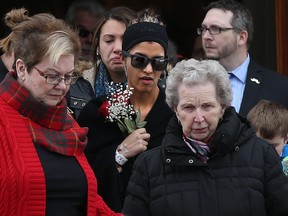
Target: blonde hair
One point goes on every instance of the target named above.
(36, 37)
(269, 118)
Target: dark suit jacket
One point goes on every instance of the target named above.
(262, 83)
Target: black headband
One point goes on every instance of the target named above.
(144, 31)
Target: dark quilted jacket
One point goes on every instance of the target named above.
(242, 178)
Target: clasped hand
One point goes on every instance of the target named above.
(135, 143)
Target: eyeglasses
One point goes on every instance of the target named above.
(213, 30)
(84, 33)
(54, 79)
(140, 62)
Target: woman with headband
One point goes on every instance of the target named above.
(112, 152)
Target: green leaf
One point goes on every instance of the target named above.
(141, 124)
(138, 116)
(131, 126)
(123, 129)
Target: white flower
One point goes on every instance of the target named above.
(121, 111)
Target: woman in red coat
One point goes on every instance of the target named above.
(43, 168)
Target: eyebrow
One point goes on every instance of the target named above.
(57, 72)
(108, 34)
(142, 55)
(214, 25)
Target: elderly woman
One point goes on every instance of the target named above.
(43, 170)
(210, 162)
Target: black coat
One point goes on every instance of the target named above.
(270, 86)
(104, 138)
(79, 94)
(242, 178)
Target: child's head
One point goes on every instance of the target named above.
(270, 121)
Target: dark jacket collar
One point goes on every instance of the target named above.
(234, 130)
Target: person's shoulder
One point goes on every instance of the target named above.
(268, 148)
(161, 105)
(266, 72)
(151, 154)
(259, 144)
(89, 113)
(151, 158)
(80, 85)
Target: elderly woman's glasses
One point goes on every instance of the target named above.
(140, 62)
(54, 79)
(213, 30)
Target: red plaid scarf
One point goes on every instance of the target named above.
(50, 126)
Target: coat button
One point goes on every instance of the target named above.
(83, 104)
(191, 161)
(168, 160)
(237, 148)
(75, 102)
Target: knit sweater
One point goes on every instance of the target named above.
(22, 180)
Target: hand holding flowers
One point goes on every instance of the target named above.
(118, 109)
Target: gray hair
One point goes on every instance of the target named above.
(93, 7)
(190, 72)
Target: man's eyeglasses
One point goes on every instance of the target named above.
(84, 32)
(213, 30)
(54, 79)
(140, 62)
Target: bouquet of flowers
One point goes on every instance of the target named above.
(118, 109)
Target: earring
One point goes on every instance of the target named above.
(22, 79)
(166, 73)
(125, 69)
(97, 52)
(163, 75)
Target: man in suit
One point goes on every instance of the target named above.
(227, 31)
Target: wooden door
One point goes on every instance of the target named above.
(281, 7)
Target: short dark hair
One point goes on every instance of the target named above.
(242, 18)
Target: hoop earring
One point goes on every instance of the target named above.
(221, 119)
(125, 69)
(163, 75)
